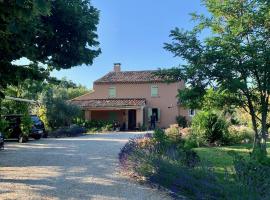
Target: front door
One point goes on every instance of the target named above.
(132, 119)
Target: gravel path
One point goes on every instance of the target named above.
(71, 168)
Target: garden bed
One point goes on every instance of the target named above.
(201, 173)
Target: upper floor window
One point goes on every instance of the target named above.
(191, 112)
(154, 90)
(112, 92)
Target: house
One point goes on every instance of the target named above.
(131, 97)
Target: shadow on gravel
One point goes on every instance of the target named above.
(78, 168)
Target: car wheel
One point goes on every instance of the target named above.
(37, 137)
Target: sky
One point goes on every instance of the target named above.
(133, 33)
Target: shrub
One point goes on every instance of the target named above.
(26, 124)
(250, 181)
(208, 128)
(42, 114)
(129, 151)
(71, 131)
(240, 134)
(161, 140)
(3, 125)
(98, 125)
(200, 183)
(185, 132)
(173, 133)
(175, 168)
(181, 121)
(181, 171)
(142, 127)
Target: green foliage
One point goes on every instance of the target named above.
(26, 124)
(174, 135)
(60, 113)
(184, 173)
(192, 97)
(239, 134)
(56, 110)
(3, 125)
(71, 131)
(234, 58)
(42, 114)
(208, 128)
(175, 168)
(58, 34)
(218, 99)
(161, 140)
(252, 177)
(14, 107)
(181, 121)
(96, 125)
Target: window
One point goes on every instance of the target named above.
(154, 111)
(112, 92)
(154, 91)
(191, 112)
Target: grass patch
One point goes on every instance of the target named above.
(219, 158)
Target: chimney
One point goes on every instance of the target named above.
(117, 67)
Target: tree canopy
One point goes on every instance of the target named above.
(235, 57)
(51, 34)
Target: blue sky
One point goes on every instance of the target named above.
(133, 32)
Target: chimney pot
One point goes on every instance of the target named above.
(117, 67)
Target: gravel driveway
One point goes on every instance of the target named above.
(69, 168)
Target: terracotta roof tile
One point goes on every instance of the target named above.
(103, 103)
(129, 77)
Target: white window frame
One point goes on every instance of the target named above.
(112, 94)
(154, 88)
(191, 112)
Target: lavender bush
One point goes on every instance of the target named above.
(162, 161)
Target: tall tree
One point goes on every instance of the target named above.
(235, 57)
(51, 34)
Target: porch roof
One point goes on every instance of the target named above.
(109, 103)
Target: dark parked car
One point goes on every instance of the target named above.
(38, 125)
(14, 129)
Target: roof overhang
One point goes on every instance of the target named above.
(110, 104)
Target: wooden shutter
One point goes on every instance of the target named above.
(154, 90)
(112, 92)
(158, 114)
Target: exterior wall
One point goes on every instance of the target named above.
(166, 100)
(139, 117)
(184, 112)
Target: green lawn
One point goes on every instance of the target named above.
(219, 158)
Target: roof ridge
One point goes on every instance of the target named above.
(143, 76)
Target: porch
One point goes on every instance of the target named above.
(128, 119)
(129, 113)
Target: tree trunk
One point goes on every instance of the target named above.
(259, 146)
(264, 128)
(256, 142)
